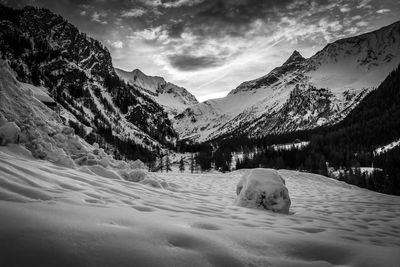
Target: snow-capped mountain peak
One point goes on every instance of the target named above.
(152, 84)
(296, 57)
(172, 97)
(301, 93)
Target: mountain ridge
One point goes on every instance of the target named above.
(172, 97)
(46, 50)
(301, 93)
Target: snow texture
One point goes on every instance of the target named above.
(58, 216)
(263, 188)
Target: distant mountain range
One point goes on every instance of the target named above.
(69, 70)
(173, 98)
(300, 94)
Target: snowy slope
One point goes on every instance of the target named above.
(300, 94)
(172, 97)
(39, 92)
(56, 216)
(77, 72)
(42, 131)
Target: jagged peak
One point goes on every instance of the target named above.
(295, 57)
(140, 73)
(137, 71)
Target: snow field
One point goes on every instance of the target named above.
(58, 216)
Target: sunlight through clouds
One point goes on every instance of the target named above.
(210, 47)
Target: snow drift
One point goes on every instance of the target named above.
(263, 188)
(58, 216)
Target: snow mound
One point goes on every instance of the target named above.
(263, 188)
(137, 164)
(135, 175)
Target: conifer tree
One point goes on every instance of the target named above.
(167, 163)
(181, 165)
(192, 163)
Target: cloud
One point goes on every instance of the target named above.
(116, 44)
(170, 3)
(351, 30)
(345, 8)
(96, 16)
(190, 63)
(194, 43)
(135, 12)
(151, 3)
(362, 23)
(151, 34)
(364, 4)
(179, 3)
(382, 11)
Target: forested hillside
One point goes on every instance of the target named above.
(76, 71)
(345, 146)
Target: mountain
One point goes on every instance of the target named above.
(173, 98)
(362, 149)
(76, 71)
(300, 94)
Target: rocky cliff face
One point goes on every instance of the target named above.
(77, 72)
(300, 94)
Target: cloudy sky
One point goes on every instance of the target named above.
(211, 46)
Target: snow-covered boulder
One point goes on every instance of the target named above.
(263, 188)
(136, 175)
(9, 133)
(68, 130)
(137, 164)
(153, 182)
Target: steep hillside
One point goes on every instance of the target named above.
(375, 121)
(173, 98)
(367, 139)
(300, 94)
(45, 50)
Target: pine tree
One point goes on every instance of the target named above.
(181, 165)
(192, 163)
(161, 164)
(167, 164)
(150, 165)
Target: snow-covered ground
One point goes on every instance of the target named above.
(290, 146)
(59, 216)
